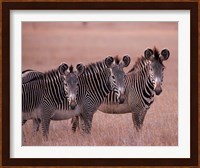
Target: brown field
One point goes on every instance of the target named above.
(46, 45)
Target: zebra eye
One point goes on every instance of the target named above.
(66, 93)
(63, 78)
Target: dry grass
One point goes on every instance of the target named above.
(46, 45)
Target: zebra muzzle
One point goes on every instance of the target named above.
(158, 89)
(121, 99)
(73, 104)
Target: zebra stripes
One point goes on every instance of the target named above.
(93, 89)
(60, 94)
(45, 93)
(141, 83)
(30, 75)
(95, 83)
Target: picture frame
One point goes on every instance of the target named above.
(8, 6)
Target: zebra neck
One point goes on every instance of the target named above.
(144, 83)
(54, 85)
(94, 85)
(148, 88)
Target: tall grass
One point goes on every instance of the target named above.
(160, 129)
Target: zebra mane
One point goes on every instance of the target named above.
(96, 67)
(140, 61)
(51, 72)
(71, 68)
(156, 53)
(117, 60)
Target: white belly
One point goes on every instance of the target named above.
(115, 108)
(36, 113)
(65, 114)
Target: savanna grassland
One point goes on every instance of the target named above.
(45, 45)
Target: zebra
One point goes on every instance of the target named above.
(93, 91)
(43, 94)
(141, 83)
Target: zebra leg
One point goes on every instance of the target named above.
(45, 128)
(138, 119)
(23, 134)
(86, 122)
(36, 125)
(75, 123)
(45, 120)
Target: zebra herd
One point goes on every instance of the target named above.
(66, 93)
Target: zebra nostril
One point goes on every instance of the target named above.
(121, 99)
(72, 107)
(73, 104)
(158, 91)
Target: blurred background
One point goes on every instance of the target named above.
(46, 44)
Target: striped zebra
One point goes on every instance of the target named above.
(93, 89)
(141, 83)
(44, 94)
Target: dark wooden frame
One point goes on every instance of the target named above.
(6, 6)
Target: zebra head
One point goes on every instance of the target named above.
(118, 74)
(156, 68)
(70, 79)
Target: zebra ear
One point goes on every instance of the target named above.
(126, 60)
(148, 53)
(62, 68)
(109, 60)
(164, 54)
(80, 68)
